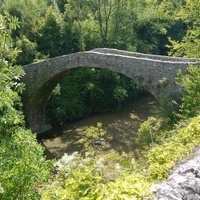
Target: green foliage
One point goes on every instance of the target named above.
(58, 27)
(189, 46)
(9, 78)
(139, 26)
(90, 135)
(114, 176)
(8, 23)
(48, 34)
(153, 131)
(86, 91)
(191, 93)
(10, 115)
(61, 5)
(162, 158)
(131, 25)
(27, 12)
(29, 50)
(133, 186)
(153, 24)
(115, 20)
(170, 143)
(120, 94)
(23, 168)
(76, 13)
(53, 36)
(31, 14)
(96, 177)
(22, 165)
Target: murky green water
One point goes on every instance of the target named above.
(122, 126)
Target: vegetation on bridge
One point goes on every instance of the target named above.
(50, 28)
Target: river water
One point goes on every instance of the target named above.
(122, 126)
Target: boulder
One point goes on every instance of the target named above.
(183, 182)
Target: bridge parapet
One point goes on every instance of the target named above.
(145, 56)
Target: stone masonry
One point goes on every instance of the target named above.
(155, 73)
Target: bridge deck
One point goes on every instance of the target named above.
(145, 56)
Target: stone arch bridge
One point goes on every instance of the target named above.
(155, 73)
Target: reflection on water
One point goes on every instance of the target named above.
(121, 125)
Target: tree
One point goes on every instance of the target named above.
(61, 5)
(76, 12)
(29, 50)
(101, 23)
(48, 34)
(189, 46)
(22, 164)
(28, 13)
(154, 23)
(54, 36)
(115, 19)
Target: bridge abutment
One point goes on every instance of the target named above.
(38, 124)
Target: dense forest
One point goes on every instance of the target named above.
(33, 30)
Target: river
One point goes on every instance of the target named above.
(122, 126)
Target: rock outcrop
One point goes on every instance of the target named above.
(183, 182)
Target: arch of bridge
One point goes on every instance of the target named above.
(155, 73)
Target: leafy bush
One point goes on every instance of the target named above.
(92, 134)
(86, 91)
(96, 175)
(191, 93)
(156, 129)
(22, 164)
(162, 158)
(153, 131)
(23, 168)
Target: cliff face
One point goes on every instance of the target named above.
(183, 182)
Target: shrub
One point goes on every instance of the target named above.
(22, 164)
(97, 176)
(153, 131)
(23, 168)
(191, 92)
(90, 135)
(162, 158)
